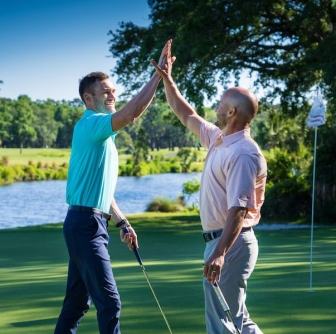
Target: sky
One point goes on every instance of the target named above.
(46, 46)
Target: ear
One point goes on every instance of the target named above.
(87, 97)
(232, 111)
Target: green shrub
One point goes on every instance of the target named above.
(19, 172)
(175, 167)
(289, 199)
(50, 174)
(61, 174)
(279, 166)
(29, 173)
(40, 175)
(7, 175)
(126, 170)
(165, 205)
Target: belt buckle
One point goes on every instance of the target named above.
(212, 235)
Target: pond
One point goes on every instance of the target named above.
(43, 202)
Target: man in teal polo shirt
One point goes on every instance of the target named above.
(92, 178)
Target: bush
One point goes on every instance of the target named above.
(7, 175)
(289, 199)
(165, 205)
(29, 172)
(62, 174)
(19, 172)
(126, 170)
(175, 167)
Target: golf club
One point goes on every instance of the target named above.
(224, 304)
(137, 255)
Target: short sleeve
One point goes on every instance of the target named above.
(241, 181)
(100, 126)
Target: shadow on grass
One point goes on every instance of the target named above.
(35, 323)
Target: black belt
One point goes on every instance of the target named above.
(208, 236)
(88, 209)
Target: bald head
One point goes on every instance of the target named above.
(244, 102)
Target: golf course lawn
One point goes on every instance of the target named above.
(34, 266)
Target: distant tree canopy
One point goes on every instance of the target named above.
(27, 123)
(289, 45)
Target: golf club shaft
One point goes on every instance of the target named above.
(224, 304)
(137, 255)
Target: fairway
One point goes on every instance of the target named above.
(35, 155)
(61, 156)
(34, 266)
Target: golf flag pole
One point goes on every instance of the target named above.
(316, 118)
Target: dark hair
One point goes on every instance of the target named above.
(86, 83)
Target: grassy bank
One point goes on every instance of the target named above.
(61, 156)
(35, 155)
(34, 265)
(52, 164)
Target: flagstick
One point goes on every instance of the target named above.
(312, 217)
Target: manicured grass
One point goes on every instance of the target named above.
(34, 265)
(35, 155)
(60, 156)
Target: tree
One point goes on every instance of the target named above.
(67, 114)
(45, 125)
(187, 156)
(287, 44)
(5, 119)
(22, 125)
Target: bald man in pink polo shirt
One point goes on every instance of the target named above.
(231, 195)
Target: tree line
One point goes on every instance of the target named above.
(287, 143)
(37, 124)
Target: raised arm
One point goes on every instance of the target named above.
(139, 103)
(183, 110)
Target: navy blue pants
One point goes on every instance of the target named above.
(90, 275)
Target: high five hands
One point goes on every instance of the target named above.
(164, 68)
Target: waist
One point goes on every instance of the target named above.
(208, 236)
(79, 208)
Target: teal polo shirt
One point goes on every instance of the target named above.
(93, 166)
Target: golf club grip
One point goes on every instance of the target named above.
(136, 252)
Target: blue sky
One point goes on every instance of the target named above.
(48, 45)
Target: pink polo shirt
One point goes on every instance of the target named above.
(234, 174)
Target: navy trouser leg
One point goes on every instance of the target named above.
(87, 238)
(76, 302)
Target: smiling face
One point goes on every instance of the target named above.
(102, 97)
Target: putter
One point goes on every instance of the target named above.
(224, 304)
(137, 255)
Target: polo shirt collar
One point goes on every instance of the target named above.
(230, 139)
